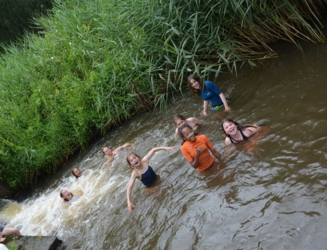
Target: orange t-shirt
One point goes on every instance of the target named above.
(189, 150)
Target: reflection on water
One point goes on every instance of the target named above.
(270, 194)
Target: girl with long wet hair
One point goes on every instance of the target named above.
(209, 92)
(235, 132)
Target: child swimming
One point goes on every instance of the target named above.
(235, 132)
(142, 171)
(196, 149)
(193, 122)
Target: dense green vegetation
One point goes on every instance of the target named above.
(73, 80)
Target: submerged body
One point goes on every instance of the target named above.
(209, 92)
(142, 171)
(196, 149)
(193, 122)
(111, 153)
(235, 132)
(68, 197)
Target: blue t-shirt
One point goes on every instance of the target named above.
(211, 93)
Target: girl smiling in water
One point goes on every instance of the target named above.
(142, 171)
(235, 132)
(196, 149)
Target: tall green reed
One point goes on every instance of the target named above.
(73, 81)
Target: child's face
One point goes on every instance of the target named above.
(230, 128)
(66, 194)
(134, 160)
(188, 134)
(179, 122)
(195, 84)
(77, 172)
(107, 151)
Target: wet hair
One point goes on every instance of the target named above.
(178, 117)
(199, 80)
(61, 195)
(103, 149)
(180, 130)
(238, 125)
(129, 164)
(74, 173)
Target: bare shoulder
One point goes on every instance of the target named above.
(228, 141)
(134, 174)
(193, 121)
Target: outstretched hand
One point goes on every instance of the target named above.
(130, 207)
(170, 149)
(128, 144)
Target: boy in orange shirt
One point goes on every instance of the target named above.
(196, 149)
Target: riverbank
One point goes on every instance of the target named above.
(33, 242)
(273, 197)
(93, 60)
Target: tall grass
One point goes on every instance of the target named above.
(204, 36)
(72, 81)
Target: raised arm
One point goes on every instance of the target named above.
(121, 147)
(223, 98)
(130, 205)
(152, 151)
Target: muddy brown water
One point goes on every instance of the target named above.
(270, 197)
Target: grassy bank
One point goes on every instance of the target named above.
(73, 80)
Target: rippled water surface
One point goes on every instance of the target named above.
(270, 195)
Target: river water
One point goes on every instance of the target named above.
(272, 196)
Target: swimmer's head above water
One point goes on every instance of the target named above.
(133, 160)
(66, 195)
(76, 172)
(106, 151)
(179, 120)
